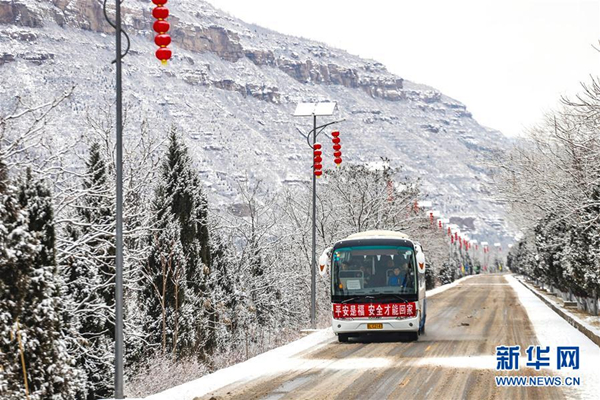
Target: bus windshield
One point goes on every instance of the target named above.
(370, 270)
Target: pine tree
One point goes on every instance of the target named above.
(224, 296)
(89, 274)
(180, 315)
(33, 355)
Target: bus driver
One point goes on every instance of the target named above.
(396, 279)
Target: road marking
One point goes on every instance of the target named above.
(428, 347)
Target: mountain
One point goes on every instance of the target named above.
(232, 87)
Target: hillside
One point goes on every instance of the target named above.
(232, 87)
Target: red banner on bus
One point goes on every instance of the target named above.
(374, 310)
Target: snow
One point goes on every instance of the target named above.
(587, 322)
(266, 363)
(551, 330)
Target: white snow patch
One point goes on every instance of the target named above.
(551, 330)
(271, 362)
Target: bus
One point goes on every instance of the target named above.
(377, 284)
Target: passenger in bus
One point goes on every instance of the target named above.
(396, 279)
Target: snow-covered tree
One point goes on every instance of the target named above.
(88, 268)
(551, 184)
(34, 355)
(175, 290)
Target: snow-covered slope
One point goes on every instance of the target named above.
(232, 88)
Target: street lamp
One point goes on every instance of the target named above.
(119, 199)
(314, 110)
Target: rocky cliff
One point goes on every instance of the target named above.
(232, 88)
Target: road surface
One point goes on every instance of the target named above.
(455, 358)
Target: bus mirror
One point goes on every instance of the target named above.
(325, 261)
(421, 261)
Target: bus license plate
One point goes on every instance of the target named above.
(374, 326)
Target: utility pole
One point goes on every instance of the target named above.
(313, 110)
(313, 266)
(119, 356)
(119, 218)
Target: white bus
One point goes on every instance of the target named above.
(377, 284)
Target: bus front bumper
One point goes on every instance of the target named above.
(387, 325)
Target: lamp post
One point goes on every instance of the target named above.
(119, 197)
(313, 110)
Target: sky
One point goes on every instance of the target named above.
(508, 61)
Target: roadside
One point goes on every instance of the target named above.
(584, 322)
(552, 330)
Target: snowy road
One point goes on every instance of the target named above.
(454, 359)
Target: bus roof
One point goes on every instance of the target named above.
(378, 234)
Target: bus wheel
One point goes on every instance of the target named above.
(343, 337)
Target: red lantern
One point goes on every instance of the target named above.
(440, 224)
(335, 134)
(162, 40)
(318, 160)
(163, 54)
(161, 26)
(336, 140)
(160, 12)
(160, 2)
(318, 172)
(337, 147)
(337, 154)
(317, 146)
(338, 161)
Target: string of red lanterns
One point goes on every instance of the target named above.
(317, 160)
(317, 153)
(161, 26)
(337, 148)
